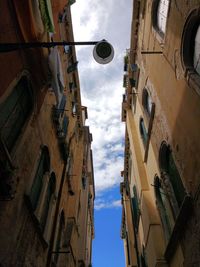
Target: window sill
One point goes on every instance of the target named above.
(35, 221)
(179, 227)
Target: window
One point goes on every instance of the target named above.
(42, 169)
(143, 132)
(48, 197)
(197, 51)
(69, 172)
(14, 112)
(159, 15)
(163, 206)
(191, 49)
(171, 178)
(146, 101)
(135, 206)
(61, 226)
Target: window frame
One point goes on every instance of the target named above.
(46, 155)
(49, 193)
(187, 49)
(143, 132)
(145, 96)
(165, 154)
(154, 18)
(162, 209)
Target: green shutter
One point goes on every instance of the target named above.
(132, 82)
(176, 181)
(72, 67)
(37, 183)
(14, 112)
(58, 240)
(135, 206)
(143, 132)
(125, 80)
(71, 2)
(162, 205)
(68, 232)
(46, 14)
(49, 192)
(43, 167)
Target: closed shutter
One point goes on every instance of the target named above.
(49, 193)
(176, 181)
(59, 237)
(136, 210)
(68, 232)
(37, 183)
(43, 166)
(14, 113)
(143, 132)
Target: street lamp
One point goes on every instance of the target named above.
(103, 51)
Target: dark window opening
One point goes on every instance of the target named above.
(143, 132)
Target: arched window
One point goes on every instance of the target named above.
(14, 112)
(143, 131)
(191, 48)
(197, 51)
(171, 178)
(163, 206)
(146, 101)
(48, 196)
(43, 167)
(159, 15)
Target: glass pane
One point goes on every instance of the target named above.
(197, 52)
(149, 104)
(143, 132)
(162, 15)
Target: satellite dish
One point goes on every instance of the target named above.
(103, 52)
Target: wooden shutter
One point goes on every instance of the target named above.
(68, 232)
(14, 112)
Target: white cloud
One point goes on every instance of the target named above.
(101, 85)
(102, 204)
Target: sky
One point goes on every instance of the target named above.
(101, 91)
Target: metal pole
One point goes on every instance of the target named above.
(151, 52)
(9, 47)
(60, 252)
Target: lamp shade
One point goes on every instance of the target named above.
(103, 52)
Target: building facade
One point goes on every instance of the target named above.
(46, 167)
(161, 111)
